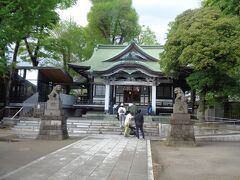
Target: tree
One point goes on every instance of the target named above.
(227, 6)
(147, 36)
(67, 43)
(208, 42)
(24, 20)
(18, 20)
(113, 21)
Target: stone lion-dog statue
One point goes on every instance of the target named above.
(55, 92)
(180, 105)
(180, 97)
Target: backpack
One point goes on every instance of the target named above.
(121, 111)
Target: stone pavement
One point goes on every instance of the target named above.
(96, 157)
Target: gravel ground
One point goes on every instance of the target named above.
(207, 161)
(14, 155)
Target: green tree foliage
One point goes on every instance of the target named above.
(227, 6)
(24, 19)
(209, 42)
(19, 19)
(113, 21)
(147, 36)
(67, 43)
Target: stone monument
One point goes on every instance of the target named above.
(181, 131)
(53, 123)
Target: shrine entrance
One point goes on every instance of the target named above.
(131, 94)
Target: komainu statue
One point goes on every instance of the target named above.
(180, 97)
(180, 105)
(55, 92)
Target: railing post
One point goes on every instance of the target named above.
(17, 113)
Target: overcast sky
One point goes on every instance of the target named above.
(153, 13)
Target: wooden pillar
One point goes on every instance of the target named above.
(154, 88)
(107, 96)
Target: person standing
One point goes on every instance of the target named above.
(121, 115)
(116, 107)
(128, 120)
(139, 120)
(149, 109)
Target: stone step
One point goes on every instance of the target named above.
(25, 130)
(77, 127)
(30, 122)
(110, 126)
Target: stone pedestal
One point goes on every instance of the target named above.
(53, 124)
(180, 107)
(181, 132)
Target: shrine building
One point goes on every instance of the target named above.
(127, 74)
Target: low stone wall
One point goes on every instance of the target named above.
(207, 132)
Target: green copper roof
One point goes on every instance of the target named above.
(107, 56)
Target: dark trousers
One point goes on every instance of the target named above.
(137, 130)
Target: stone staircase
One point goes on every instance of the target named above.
(78, 127)
(27, 127)
(106, 124)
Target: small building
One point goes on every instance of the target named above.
(30, 87)
(127, 74)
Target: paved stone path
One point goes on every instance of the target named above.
(97, 157)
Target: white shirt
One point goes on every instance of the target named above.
(121, 109)
(128, 119)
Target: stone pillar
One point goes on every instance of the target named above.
(107, 96)
(154, 99)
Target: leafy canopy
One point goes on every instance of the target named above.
(113, 21)
(147, 36)
(208, 42)
(67, 43)
(231, 7)
(19, 19)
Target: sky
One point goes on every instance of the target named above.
(153, 13)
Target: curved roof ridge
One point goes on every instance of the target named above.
(128, 48)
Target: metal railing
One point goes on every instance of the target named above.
(218, 120)
(30, 103)
(17, 113)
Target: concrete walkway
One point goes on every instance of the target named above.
(98, 157)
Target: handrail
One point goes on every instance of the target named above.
(222, 119)
(218, 120)
(17, 113)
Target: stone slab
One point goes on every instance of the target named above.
(50, 117)
(49, 112)
(54, 104)
(181, 116)
(180, 107)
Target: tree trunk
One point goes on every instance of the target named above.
(64, 54)
(193, 97)
(68, 58)
(11, 72)
(202, 107)
(33, 56)
(5, 79)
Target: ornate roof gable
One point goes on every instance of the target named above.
(132, 52)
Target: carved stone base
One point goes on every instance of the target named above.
(54, 129)
(53, 124)
(180, 107)
(181, 132)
